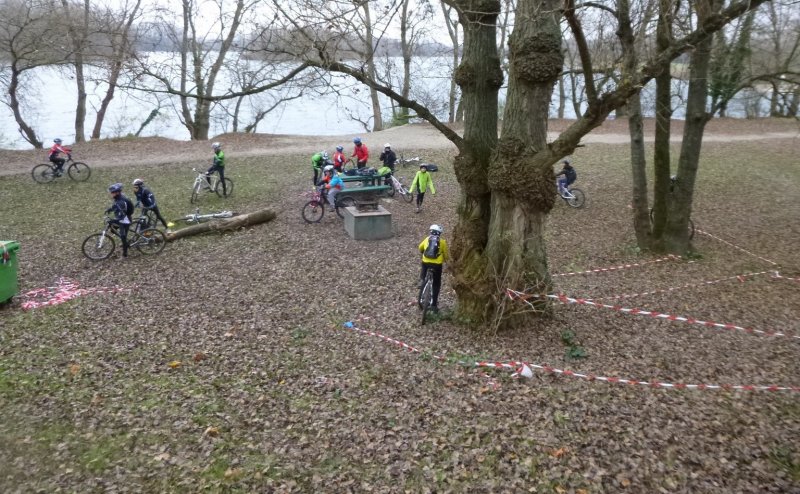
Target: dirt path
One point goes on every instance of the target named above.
(108, 153)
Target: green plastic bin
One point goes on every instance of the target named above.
(9, 286)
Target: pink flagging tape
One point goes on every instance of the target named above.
(64, 291)
(739, 278)
(524, 297)
(702, 232)
(618, 268)
(524, 369)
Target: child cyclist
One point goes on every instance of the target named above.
(422, 181)
(332, 183)
(218, 165)
(360, 153)
(434, 254)
(318, 162)
(122, 208)
(569, 174)
(147, 200)
(339, 159)
(55, 155)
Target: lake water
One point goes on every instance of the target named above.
(51, 98)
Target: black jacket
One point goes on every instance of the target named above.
(145, 197)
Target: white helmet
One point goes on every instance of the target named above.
(436, 230)
(328, 168)
(325, 155)
(216, 145)
(387, 146)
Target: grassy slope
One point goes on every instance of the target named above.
(89, 401)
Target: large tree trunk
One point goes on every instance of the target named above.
(479, 76)
(641, 216)
(377, 116)
(676, 234)
(661, 150)
(562, 97)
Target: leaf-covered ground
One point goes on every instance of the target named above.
(228, 369)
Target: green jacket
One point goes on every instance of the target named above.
(423, 180)
(219, 158)
(317, 161)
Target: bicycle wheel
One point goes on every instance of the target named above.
(313, 211)
(390, 192)
(407, 196)
(426, 297)
(149, 241)
(195, 191)
(79, 171)
(228, 188)
(578, 199)
(43, 174)
(346, 202)
(98, 246)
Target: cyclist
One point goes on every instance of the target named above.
(55, 155)
(422, 180)
(332, 183)
(339, 159)
(147, 200)
(318, 162)
(388, 157)
(434, 254)
(570, 175)
(360, 153)
(122, 208)
(217, 165)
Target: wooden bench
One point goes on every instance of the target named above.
(362, 197)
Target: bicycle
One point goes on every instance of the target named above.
(211, 183)
(425, 299)
(99, 246)
(574, 196)
(405, 162)
(397, 186)
(314, 210)
(196, 217)
(46, 172)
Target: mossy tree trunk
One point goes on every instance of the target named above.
(479, 76)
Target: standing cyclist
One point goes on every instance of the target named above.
(422, 180)
(55, 155)
(122, 208)
(147, 200)
(434, 254)
(360, 153)
(318, 162)
(218, 165)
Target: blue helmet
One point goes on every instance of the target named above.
(339, 148)
(115, 188)
(356, 140)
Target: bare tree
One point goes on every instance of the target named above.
(28, 39)
(453, 31)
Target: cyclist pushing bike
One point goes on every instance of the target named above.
(146, 199)
(55, 155)
(122, 208)
(218, 165)
(434, 254)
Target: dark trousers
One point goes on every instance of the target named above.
(420, 198)
(156, 212)
(437, 279)
(316, 175)
(221, 171)
(59, 162)
(361, 164)
(123, 235)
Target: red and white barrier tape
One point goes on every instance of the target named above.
(702, 232)
(658, 315)
(781, 277)
(524, 369)
(740, 277)
(670, 257)
(64, 291)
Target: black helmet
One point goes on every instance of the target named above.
(115, 187)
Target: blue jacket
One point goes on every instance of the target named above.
(122, 209)
(145, 197)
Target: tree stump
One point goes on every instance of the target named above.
(227, 224)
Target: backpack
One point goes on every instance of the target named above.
(432, 250)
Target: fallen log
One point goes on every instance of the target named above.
(223, 225)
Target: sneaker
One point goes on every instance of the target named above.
(418, 209)
(434, 308)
